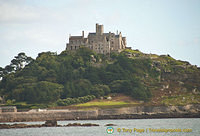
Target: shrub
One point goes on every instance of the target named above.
(69, 101)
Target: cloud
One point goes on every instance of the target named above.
(12, 12)
(31, 36)
(22, 12)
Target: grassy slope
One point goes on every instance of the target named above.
(117, 101)
(168, 100)
(120, 100)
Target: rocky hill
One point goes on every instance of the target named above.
(82, 75)
(178, 81)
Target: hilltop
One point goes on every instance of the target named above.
(74, 77)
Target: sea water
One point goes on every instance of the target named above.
(123, 127)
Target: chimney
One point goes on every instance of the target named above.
(97, 27)
(83, 34)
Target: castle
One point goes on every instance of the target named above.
(100, 42)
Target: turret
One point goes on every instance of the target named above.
(83, 34)
(99, 29)
(124, 41)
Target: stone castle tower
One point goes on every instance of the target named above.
(100, 42)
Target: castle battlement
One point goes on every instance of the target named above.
(100, 42)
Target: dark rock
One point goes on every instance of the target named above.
(4, 126)
(74, 124)
(110, 125)
(19, 126)
(89, 125)
(83, 125)
(8, 126)
(50, 123)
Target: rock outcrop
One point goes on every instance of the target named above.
(48, 123)
(82, 125)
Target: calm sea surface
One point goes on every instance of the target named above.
(126, 127)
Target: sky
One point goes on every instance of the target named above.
(152, 26)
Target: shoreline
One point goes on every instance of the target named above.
(139, 112)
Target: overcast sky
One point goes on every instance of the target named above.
(152, 26)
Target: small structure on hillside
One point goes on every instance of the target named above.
(1, 99)
(8, 109)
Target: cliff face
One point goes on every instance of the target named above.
(179, 82)
(119, 113)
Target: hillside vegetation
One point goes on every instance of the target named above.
(81, 76)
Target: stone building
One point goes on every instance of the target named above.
(100, 42)
(8, 109)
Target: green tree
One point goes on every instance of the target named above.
(100, 90)
(20, 61)
(117, 86)
(41, 92)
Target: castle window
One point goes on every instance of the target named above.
(107, 39)
(112, 42)
(71, 41)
